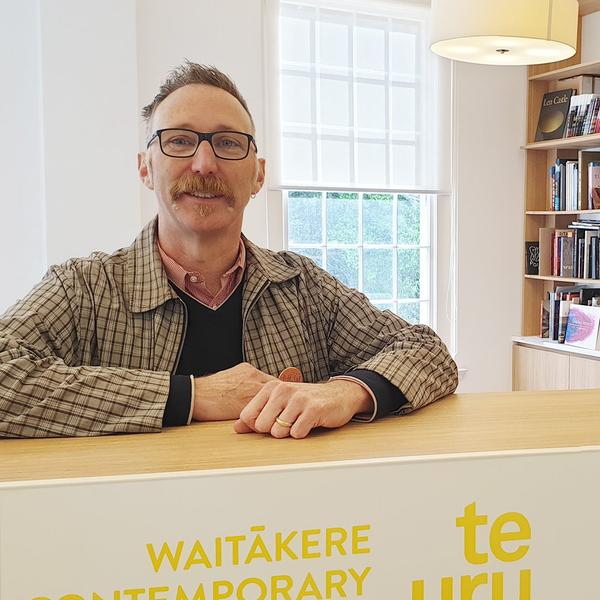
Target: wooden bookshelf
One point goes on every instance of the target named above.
(540, 156)
(578, 142)
(558, 213)
(564, 280)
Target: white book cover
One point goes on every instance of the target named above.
(582, 326)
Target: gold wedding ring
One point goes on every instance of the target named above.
(283, 423)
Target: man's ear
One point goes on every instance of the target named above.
(145, 169)
(260, 177)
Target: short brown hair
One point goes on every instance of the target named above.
(188, 73)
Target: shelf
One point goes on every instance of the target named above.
(566, 279)
(589, 68)
(578, 141)
(563, 212)
(546, 344)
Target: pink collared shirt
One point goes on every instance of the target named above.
(194, 283)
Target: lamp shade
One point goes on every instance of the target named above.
(504, 32)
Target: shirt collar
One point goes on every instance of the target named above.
(147, 283)
(177, 274)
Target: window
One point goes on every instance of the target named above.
(358, 147)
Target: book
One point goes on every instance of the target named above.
(532, 253)
(563, 314)
(553, 114)
(566, 256)
(544, 318)
(584, 84)
(590, 236)
(583, 323)
(557, 236)
(594, 185)
(595, 258)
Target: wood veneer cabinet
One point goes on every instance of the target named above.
(543, 368)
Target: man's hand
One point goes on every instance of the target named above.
(304, 406)
(223, 395)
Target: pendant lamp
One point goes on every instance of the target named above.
(504, 32)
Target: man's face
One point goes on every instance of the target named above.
(177, 182)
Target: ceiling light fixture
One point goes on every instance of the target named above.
(504, 32)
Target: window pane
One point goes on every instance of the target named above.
(296, 97)
(378, 273)
(403, 54)
(304, 217)
(403, 165)
(403, 110)
(425, 270)
(370, 50)
(295, 40)
(335, 103)
(410, 312)
(297, 159)
(371, 164)
(371, 106)
(378, 218)
(315, 254)
(384, 305)
(409, 219)
(342, 218)
(333, 44)
(409, 273)
(335, 165)
(343, 264)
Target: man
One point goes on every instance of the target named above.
(193, 321)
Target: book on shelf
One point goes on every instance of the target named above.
(565, 257)
(594, 185)
(564, 185)
(583, 323)
(585, 232)
(554, 314)
(558, 236)
(572, 252)
(555, 307)
(553, 115)
(532, 254)
(582, 84)
(582, 118)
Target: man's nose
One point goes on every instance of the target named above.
(204, 161)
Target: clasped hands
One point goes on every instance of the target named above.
(262, 403)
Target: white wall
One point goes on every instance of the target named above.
(590, 36)
(224, 33)
(489, 187)
(22, 228)
(89, 98)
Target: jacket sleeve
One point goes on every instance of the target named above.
(45, 392)
(411, 357)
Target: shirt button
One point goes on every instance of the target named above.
(193, 279)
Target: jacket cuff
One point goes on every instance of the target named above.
(389, 397)
(179, 401)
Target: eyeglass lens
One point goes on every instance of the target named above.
(226, 144)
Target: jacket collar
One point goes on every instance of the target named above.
(147, 282)
(147, 285)
(269, 264)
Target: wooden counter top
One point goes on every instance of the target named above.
(460, 423)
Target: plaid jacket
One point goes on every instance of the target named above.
(90, 350)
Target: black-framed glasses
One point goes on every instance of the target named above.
(183, 143)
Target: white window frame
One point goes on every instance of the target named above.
(443, 229)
